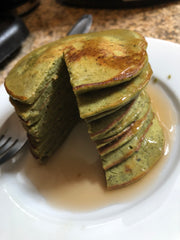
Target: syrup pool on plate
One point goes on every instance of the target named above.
(73, 178)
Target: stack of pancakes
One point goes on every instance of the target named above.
(99, 77)
(51, 117)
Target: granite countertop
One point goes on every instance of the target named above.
(51, 21)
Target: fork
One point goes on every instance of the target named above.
(12, 139)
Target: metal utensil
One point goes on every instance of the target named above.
(12, 136)
(83, 25)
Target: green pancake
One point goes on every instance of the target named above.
(49, 120)
(100, 144)
(139, 164)
(99, 101)
(104, 124)
(57, 114)
(31, 113)
(105, 60)
(42, 149)
(137, 109)
(121, 153)
(124, 136)
(102, 115)
(31, 74)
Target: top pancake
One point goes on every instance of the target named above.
(106, 59)
(114, 56)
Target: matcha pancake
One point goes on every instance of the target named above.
(139, 164)
(50, 107)
(108, 145)
(53, 127)
(103, 124)
(44, 146)
(102, 114)
(40, 129)
(128, 131)
(32, 73)
(27, 117)
(121, 153)
(56, 112)
(107, 141)
(26, 81)
(42, 149)
(139, 107)
(99, 101)
(31, 113)
(106, 59)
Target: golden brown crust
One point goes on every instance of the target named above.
(122, 63)
(118, 60)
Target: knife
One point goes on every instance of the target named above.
(12, 35)
(83, 25)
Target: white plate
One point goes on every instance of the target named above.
(24, 214)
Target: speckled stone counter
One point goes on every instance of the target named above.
(51, 21)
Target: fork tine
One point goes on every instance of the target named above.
(7, 144)
(2, 140)
(11, 151)
(12, 138)
(1, 137)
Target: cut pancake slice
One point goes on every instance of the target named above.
(93, 103)
(34, 72)
(31, 113)
(139, 164)
(106, 59)
(123, 152)
(109, 126)
(58, 113)
(28, 78)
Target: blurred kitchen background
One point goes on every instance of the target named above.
(26, 25)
